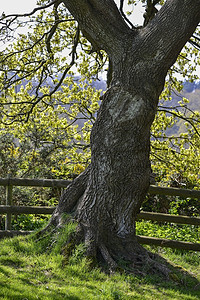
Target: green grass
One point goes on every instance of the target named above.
(30, 270)
(187, 233)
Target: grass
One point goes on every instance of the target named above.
(30, 270)
(187, 233)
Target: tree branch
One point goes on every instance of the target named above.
(150, 11)
(178, 115)
(38, 98)
(101, 22)
(123, 14)
(3, 17)
(53, 28)
(170, 29)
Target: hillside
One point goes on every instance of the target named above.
(191, 91)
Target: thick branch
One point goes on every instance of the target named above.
(171, 28)
(100, 21)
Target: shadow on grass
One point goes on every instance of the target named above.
(14, 293)
(22, 278)
(180, 280)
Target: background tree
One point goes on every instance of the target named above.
(107, 196)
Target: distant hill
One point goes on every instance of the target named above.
(191, 91)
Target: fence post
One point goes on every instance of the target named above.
(8, 202)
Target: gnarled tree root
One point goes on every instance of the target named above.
(68, 201)
(115, 254)
(130, 258)
(133, 259)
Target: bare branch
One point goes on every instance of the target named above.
(150, 11)
(194, 44)
(38, 98)
(123, 14)
(32, 12)
(178, 115)
(195, 41)
(167, 162)
(53, 29)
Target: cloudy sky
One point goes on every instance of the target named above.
(17, 6)
(22, 6)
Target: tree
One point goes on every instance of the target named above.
(107, 196)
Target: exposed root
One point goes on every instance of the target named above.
(144, 262)
(68, 202)
(149, 265)
(108, 258)
(128, 257)
(157, 267)
(137, 260)
(116, 253)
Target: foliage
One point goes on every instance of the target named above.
(187, 233)
(47, 116)
(50, 111)
(175, 158)
(51, 143)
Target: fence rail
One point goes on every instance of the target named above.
(34, 182)
(153, 189)
(10, 209)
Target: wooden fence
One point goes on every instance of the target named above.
(9, 209)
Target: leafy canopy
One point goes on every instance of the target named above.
(49, 102)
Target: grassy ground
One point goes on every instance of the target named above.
(29, 270)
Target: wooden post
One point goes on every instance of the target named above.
(8, 202)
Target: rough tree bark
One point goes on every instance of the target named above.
(107, 196)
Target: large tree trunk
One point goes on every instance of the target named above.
(107, 196)
(120, 170)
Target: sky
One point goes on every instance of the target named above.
(17, 6)
(22, 6)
